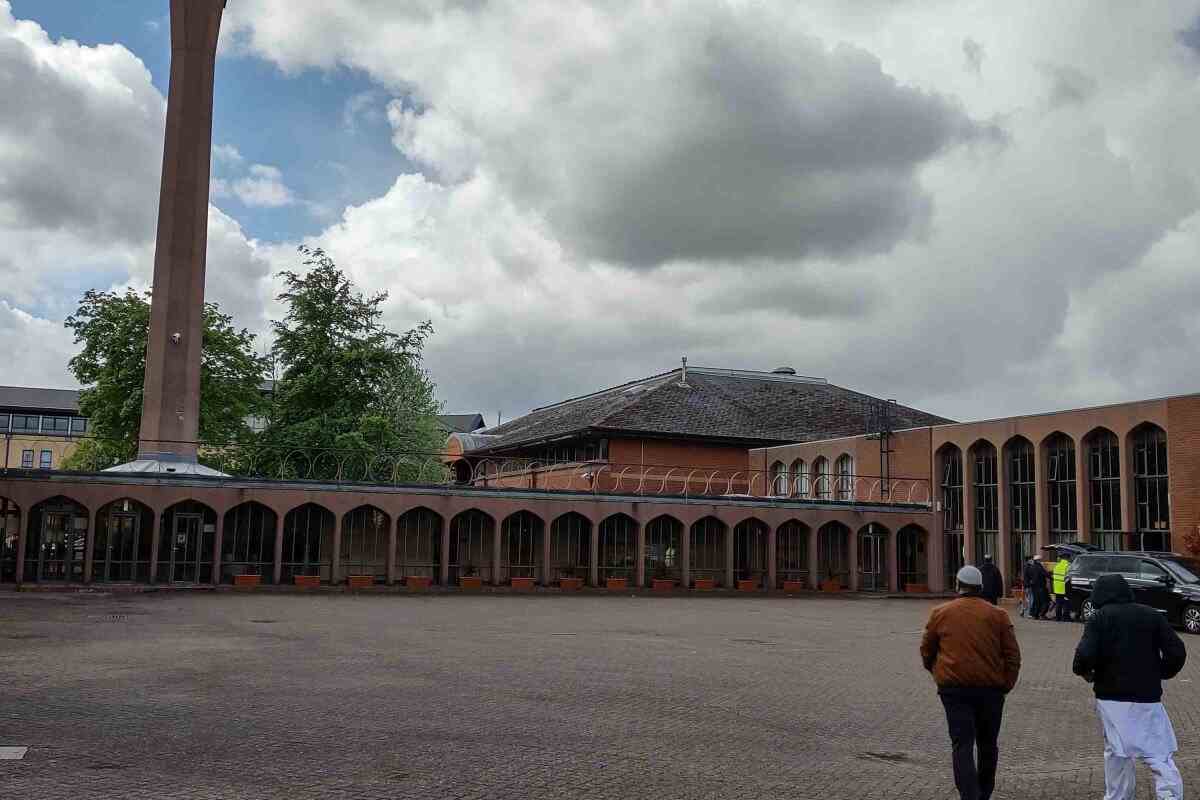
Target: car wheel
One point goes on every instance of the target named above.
(1087, 610)
(1191, 619)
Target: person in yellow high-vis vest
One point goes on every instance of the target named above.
(1062, 607)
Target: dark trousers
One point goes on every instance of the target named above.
(974, 716)
(1062, 608)
(1041, 602)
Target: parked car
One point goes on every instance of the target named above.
(1166, 581)
(1070, 549)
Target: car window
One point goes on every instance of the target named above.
(1185, 570)
(1088, 566)
(1125, 565)
(1151, 571)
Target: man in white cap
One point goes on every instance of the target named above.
(970, 647)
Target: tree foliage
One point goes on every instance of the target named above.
(112, 329)
(346, 382)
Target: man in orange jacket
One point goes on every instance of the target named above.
(970, 647)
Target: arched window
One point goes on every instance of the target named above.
(521, 546)
(1150, 488)
(821, 478)
(570, 543)
(845, 477)
(1104, 488)
(471, 542)
(419, 544)
(987, 501)
(307, 542)
(1022, 505)
(779, 480)
(663, 536)
(365, 543)
(707, 551)
(1060, 488)
(791, 553)
(951, 473)
(248, 543)
(800, 482)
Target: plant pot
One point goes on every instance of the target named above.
(662, 584)
(570, 584)
(792, 587)
(472, 582)
(307, 581)
(523, 584)
(418, 583)
(831, 586)
(360, 581)
(247, 581)
(704, 584)
(747, 586)
(917, 588)
(616, 584)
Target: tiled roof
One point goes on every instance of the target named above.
(34, 399)
(730, 405)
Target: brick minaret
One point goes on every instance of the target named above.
(171, 401)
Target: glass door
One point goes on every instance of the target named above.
(61, 553)
(872, 560)
(185, 549)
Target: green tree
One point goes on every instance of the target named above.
(352, 399)
(112, 329)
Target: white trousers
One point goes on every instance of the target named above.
(1120, 776)
(1133, 731)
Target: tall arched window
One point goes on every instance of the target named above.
(1104, 488)
(1060, 488)
(952, 510)
(800, 482)
(821, 478)
(1150, 488)
(1022, 505)
(779, 480)
(845, 477)
(987, 501)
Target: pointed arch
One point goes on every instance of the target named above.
(664, 540)
(123, 545)
(570, 546)
(248, 542)
(912, 559)
(472, 542)
(1104, 467)
(707, 550)
(1059, 456)
(949, 472)
(844, 477)
(1020, 473)
(750, 551)
(618, 548)
(1151, 485)
(308, 543)
(872, 551)
(364, 545)
(419, 544)
(800, 480)
(186, 543)
(985, 487)
(791, 553)
(821, 479)
(833, 555)
(521, 546)
(56, 540)
(779, 480)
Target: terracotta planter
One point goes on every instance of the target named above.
(662, 584)
(360, 581)
(747, 586)
(704, 584)
(473, 582)
(570, 584)
(831, 586)
(418, 583)
(793, 586)
(916, 588)
(307, 581)
(616, 584)
(523, 584)
(247, 581)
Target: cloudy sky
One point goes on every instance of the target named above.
(979, 209)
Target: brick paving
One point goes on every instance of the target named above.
(285, 696)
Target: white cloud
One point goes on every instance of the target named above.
(262, 188)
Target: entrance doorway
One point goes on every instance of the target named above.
(123, 542)
(57, 541)
(912, 568)
(185, 551)
(872, 559)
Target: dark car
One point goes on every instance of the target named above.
(1069, 549)
(1166, 581)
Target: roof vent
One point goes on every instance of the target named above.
(783, 371)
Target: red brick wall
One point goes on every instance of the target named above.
(1183, 459)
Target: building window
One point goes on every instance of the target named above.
(45, 459)
(1022, 499)
(1060, 488)
(56, 426)
(821, 473)
(952, 511)
(779, 480)
(845, 478)
(25, 423)
(27, 459)
(987, 501)
(1104, 489)
(800, 480)
(1150, 489)
(79, 425)
(4, 422)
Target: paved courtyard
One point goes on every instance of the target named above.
(329, 696)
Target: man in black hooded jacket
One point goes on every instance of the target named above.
(1126, 652)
